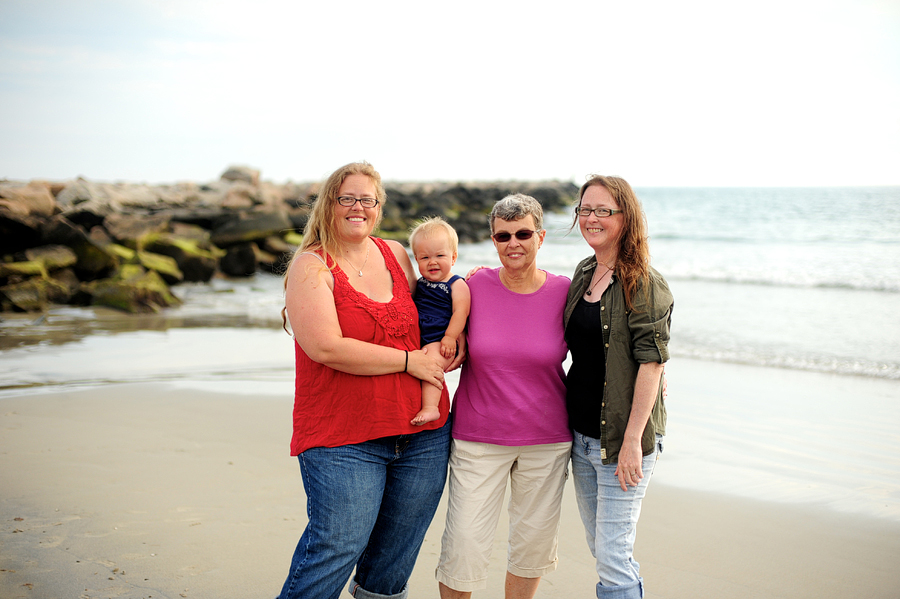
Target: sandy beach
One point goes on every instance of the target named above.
(165, 491)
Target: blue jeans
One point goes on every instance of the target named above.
(369, 505)
(610, 516)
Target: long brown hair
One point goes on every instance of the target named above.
(633, 257)
(321, 229)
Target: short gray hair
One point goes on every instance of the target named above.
(517, 206)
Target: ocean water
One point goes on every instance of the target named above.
(803, 280)
(797, 278)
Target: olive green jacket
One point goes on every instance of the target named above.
(630, 338)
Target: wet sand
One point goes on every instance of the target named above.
(155, 490)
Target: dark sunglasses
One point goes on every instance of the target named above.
(522, 235)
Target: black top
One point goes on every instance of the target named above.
(584, 383)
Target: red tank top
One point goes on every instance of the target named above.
(333, 408)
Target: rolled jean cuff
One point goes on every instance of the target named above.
(634, 590)
(361, 593)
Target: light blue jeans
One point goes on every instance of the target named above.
(610, 516)
(369, 505)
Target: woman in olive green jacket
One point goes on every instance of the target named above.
(617, 327)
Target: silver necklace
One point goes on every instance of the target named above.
(360, 269)
(608, 268)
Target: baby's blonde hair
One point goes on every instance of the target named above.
(429, 227)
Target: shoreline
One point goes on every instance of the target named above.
(167, 490)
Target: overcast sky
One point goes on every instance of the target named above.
(693, 92)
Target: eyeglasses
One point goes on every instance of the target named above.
(521, 235)
(349, 201)
(600, 212)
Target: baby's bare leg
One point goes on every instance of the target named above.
(431, 395)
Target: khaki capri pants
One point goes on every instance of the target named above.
(478, 476)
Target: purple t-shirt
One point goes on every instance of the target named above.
(512, 390)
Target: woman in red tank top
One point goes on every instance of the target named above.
(372, 479)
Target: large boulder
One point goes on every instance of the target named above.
(466, 208)
(299, 217)
(281, 251)
(240, 260)
(31, 295)
(65, 288)
(94, 259)
(53, 257)
(205, 218)
(86, 203)
(59, 230)
(81, 193)
(22, 269)
(296, 195)
(39, 261)
(18, 231)
(32, 199)
(191, 249)
(239, 196)
(132, 289)
(268, 261)
(139, 197)
(270, 196)
(242, 227)
(131, 229)
(241, 173)
(165, 266)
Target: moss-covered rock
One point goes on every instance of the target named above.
(165, 266)
(32, 295)
(64, 287)
(122, 252)
(132, 229)
(94, 261)
(54, 257)
(293, 238)
(133, 289)
(30, 268)
(196, 257)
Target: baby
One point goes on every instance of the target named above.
(442, 299)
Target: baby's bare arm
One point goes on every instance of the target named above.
(462, 301)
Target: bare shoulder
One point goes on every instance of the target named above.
(397, 248)
(459, 283)
(459, 291)
(309, 267)
(402, 257)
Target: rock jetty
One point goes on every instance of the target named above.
(124, 244)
